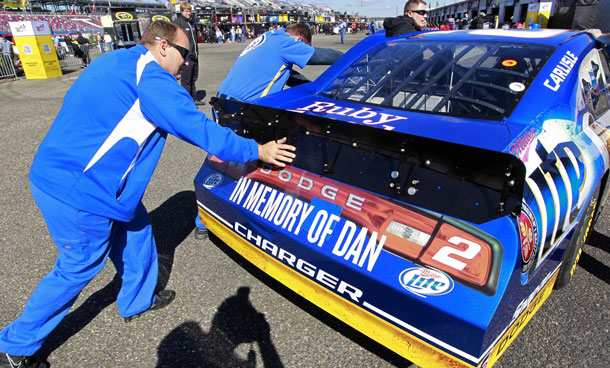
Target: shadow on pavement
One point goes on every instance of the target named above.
(600, 241)
(326, 318)
(172, 222)
(236, 322)
(592, 265)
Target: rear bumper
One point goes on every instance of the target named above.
(432, 331)
(396, 339)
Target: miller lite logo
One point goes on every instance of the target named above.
(423, 281)
(212, 181)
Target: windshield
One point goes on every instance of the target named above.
(474, 79)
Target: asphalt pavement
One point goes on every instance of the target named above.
(227, 313)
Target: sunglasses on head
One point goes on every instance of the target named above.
(420, 12)
(184, 52)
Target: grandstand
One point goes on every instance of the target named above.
(60, 23)
(71, 16)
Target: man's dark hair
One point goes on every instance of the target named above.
(299, 29)
(412, 5)
(161, 29)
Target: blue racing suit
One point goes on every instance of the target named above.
(88, 178)
(265, 65)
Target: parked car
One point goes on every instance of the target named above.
(444, 183)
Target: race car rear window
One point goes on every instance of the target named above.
(475, 79)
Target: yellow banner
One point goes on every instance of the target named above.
(538, 13)
(14, 4)
(38, 57)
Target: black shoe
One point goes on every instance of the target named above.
(199, 103)
(164, 297)
(16, 361)
(201, 234)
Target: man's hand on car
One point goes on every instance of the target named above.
(276, 152)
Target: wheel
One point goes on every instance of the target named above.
(579, 238)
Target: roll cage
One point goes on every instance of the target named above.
(460, 78)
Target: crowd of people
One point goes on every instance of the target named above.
(57, 22)
(228, 33)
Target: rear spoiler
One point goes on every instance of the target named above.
(468, 183)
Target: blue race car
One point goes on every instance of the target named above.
(444, 183)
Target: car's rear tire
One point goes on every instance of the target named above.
(579, 238)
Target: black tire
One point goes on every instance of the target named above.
(574, 250)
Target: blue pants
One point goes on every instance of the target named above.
(198, 222)
(84, 242)
(342, 36)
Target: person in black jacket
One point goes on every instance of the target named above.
(83, 45)
(413, 20)
(191, 69)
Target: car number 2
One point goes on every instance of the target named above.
(444, 254)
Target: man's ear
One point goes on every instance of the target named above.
(163, 48)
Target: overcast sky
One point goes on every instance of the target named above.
(376, 8)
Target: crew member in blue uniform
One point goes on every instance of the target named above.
(90, 172)
(265, 67)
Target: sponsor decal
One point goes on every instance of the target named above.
(561, 71)
(364, 115)
(424, 281)
(161, 17)
(509, 63)
(123, 16)
(522, 143)
(212, 181)
(528, 233)
(557, 181)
